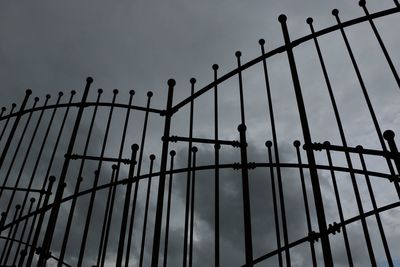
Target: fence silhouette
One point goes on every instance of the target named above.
(70, 189)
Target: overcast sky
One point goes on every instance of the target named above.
(52, 46)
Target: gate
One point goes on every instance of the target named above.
(84, 185)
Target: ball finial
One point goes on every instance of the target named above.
(282, 18)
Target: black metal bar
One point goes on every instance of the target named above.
(268, 144)
(106, 215)
(246, 196)
(217, 147)
(172, 154)
(146, 210)
(108, 221)
(163, 168)
(377, 216)
(192, 195)
(175, 138)
(305, 199)
(134, 200)
(96, 158)
(275, 142)
(363, 4)
(124, 219)
(60, 188)
(95, 182)
(339, 207)
(326, 247)
(188, 177)
(238, 54)
(14, 128)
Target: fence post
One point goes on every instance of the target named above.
(326, 247)
(163, 169)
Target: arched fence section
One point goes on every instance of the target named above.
(92, 180)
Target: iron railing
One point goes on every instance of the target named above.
(55, 208)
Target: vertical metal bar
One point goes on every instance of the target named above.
(246, 196)
(32, 200)
(13, 106)
(51, 179)
(107, 211)
(172, 154)
(278, 169)
(146, 210)
(268, 144)
(108, 223)
(335, 13)
(396, 2)
(14, 128)
(326, 247)
(60, 188)
(194, 151)
(134, 200)
(124, 219)
(238, 54)
(188, 177)
(16, 150)
(363, 4)
(375, 206)
(217, 147)
(163, 168)
(78, 182)
(106, 230)
(339, 206)
(3, 254)
(96, 180)
(305, 199)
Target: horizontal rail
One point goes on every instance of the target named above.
(198, 168)
(87, 104)
(175, 138)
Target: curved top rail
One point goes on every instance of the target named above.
(78, 104)
(281, 49)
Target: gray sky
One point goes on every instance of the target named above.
(52, 46)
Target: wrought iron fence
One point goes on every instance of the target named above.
(73, 175)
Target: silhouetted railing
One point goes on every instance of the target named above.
(73, 171)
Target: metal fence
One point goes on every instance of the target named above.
(73, 175)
